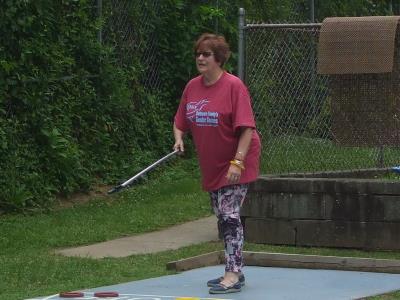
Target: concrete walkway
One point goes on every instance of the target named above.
(195, 232)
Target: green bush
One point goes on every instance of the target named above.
(75, 112)
(65, 108)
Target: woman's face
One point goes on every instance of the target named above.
(205, 61)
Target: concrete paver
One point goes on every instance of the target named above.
(175, 237)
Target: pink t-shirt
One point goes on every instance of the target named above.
(213, 114)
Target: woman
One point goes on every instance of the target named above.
(216, 109)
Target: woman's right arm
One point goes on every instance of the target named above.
(178, 134)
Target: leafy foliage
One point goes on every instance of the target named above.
(60, 97)
(74, 111)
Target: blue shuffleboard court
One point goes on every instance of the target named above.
(262, 283)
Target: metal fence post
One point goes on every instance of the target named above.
(312, 11)
(216, 20)
(241, 44)
(99, 15)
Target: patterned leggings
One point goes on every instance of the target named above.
(226, 203)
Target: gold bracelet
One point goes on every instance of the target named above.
(237, 163)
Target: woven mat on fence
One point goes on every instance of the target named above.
(354, 45)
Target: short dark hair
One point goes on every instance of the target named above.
(217, 45)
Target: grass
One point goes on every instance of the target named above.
(29, 267)
(391, 177)
(302, 154)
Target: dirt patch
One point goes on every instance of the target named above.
(82, 198)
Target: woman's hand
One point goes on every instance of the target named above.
(233, 175)
(179, 145)
(178, 135)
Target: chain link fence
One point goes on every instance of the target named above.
(129, 28)
(293, 104)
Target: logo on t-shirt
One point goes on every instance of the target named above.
(196, 114)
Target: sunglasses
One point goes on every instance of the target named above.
(204, 53)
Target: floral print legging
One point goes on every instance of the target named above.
(226, 203)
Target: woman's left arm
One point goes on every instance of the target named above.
(235, 170)
(246, 134)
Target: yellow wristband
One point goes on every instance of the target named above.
(237, 163)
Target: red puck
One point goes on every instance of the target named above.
(106, 294)
(71, 295)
